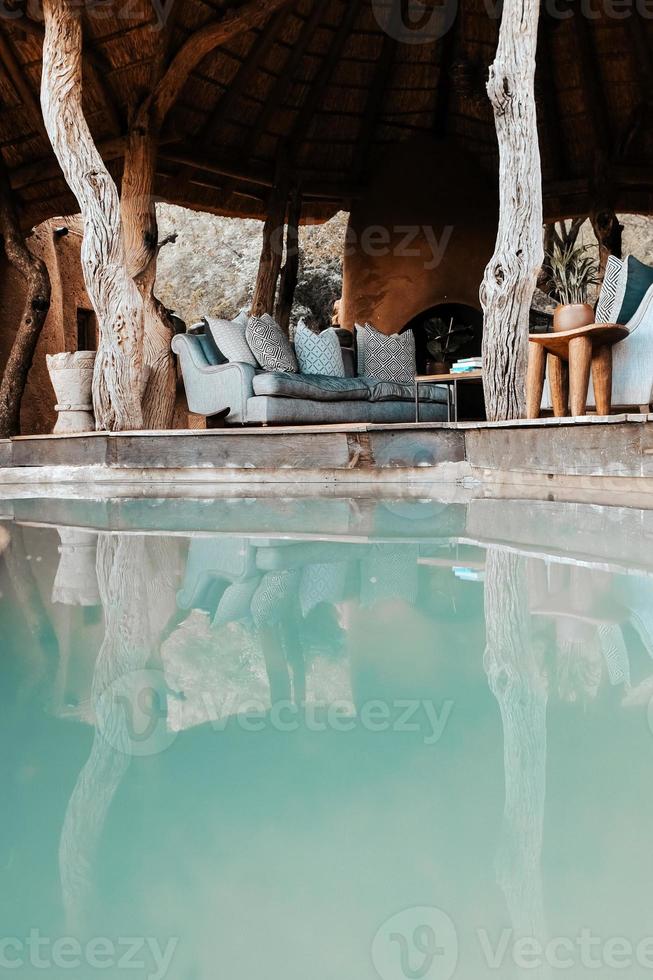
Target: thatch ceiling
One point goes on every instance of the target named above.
(322, 83)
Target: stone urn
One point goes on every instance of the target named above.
(71, 375)
(76, 580)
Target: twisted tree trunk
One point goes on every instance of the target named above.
(511, 276)
(117, 384)
(37, 303)
(141, 241)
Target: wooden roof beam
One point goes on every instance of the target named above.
(319, 85)
(236, 21)
(19, 82)
(373, 107)
(244, 76)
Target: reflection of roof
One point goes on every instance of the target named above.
(322, 80)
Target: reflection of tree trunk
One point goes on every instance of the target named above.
(516, 681)
(28, 600)
(136, 582)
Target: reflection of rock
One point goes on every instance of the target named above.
(76, 580)
(71, 375)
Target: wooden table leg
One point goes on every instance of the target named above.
(602, 379)
(580, 362)
(558, 373)
(535, 380)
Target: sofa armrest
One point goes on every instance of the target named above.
(212, 389)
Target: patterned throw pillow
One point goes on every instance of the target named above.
(318, 353)
(635, 280)
(605, 305)
(229, 337)
(386, 358)
(269, 345)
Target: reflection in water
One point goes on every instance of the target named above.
(515, 670)
(380, 637)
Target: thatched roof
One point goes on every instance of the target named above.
(321, 82)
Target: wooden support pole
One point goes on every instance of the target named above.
(265, 290)
(118, 379)
(608, 230)
(511, 276)
(37, 304)
(290, 271)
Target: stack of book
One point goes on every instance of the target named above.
(467, 364)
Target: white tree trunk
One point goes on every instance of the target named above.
(117, 384)
(511, 276)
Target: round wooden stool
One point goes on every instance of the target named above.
(568, 357)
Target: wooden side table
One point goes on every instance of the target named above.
(451, 381)
(568, 357)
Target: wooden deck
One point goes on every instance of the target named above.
(590, 452)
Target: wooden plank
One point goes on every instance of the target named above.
(87, 450)
(417, 448)
(623, 450)
(253, 451)
(6, 452)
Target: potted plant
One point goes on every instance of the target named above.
(443, 341)
(571, 273)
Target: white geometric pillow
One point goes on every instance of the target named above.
(386, 358)
(605, 309)
(269, 345)
(318, 353)
(229, 338)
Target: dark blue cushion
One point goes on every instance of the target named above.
(209, 349)
(638, 283)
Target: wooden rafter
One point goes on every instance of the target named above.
(260, 49)
(374, 105)
(447, 48)
(549, 102)
(287, 77)
(316, 91)
(21, 85)
(590, 69)
(251, 14)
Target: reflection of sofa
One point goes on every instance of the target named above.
(248, 395)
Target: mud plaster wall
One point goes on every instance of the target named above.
(429, 199)
(61, 254)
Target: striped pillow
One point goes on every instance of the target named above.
(605, 309)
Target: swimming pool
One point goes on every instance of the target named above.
(326, 738)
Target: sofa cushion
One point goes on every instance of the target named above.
(390, 391)
(209, 349)
(229, 337)
(269, 344)
(635, 280)
(386, 357)
(605, 306)
(314, 387)
(318, 353)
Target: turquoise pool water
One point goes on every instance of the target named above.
(326, 739)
